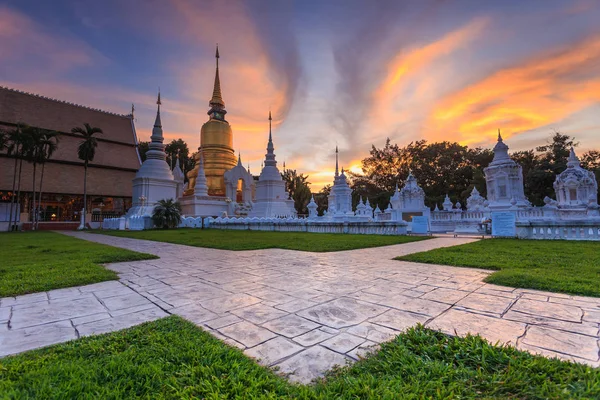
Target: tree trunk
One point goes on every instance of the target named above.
(12, 199)
(19, 186)
(85, 192)
(33, 199)
(40, 195)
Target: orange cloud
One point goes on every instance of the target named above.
(543, 90)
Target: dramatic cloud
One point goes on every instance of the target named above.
(542, 90)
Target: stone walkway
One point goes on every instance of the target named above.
(304, 312)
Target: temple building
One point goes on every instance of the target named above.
(216, 144)
(576, 187)
(154, 181)
(109, 174)
(504, 180)
(340, 198)
(272, 200)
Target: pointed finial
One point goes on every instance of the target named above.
(270, 120)
(336, 161)
(239, 159)
(217, 99)
(132, 109)
(249, 169)
(499, 135)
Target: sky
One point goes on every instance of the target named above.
(333, 72)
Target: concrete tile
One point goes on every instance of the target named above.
(247, 333)
(486, 302)
(125, 301)
(220, 322)
(310, 364)
(343, 312)
(343, 343)
(373, 332)
(44, 313)
(274, 350)
(313, 337)
(419, 306)
(194, 313)
(222, 305)
(461, 323)
(291, 325)
(259, 313)
(399, 320)
(121, 322)
(18, 340)
(562, 342)
(549, 310)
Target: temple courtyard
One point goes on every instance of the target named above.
(304, 312)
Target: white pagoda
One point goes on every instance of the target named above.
(271, 200)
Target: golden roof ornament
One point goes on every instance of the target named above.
(217, 99)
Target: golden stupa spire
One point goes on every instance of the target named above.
(217, 100)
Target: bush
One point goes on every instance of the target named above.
(166, 214)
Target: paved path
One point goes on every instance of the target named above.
(304, 312)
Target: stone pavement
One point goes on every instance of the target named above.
(304, 312)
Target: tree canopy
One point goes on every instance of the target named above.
(451, 168)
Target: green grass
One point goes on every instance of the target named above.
(40, 261)
(171, 358)
(552, 265)
(255, 240)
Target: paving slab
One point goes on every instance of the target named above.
(284, 307)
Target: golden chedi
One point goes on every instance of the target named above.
(216, 145)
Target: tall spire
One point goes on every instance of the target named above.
(336, 161)
(217, 101)
(573, 160)
(239, 159)
(157, 133)
(270, 119)
(499, 135)
(270, 156)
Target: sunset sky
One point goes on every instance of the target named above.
(342, 72)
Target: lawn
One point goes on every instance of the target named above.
(171, 358)
(255, 240)
(41, 261)
(552, 265)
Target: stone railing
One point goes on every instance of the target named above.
(134, 223)
(562, 229)
(308, 225)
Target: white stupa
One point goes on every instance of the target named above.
(409, 201)
(576, 187)
(179, 177)
(504, 180)
(272, 200)
(340, 198)
(154, 180)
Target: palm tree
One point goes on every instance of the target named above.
(166, 214)
(49, 144)
(34, 138)
(17, 147)
(86, 152)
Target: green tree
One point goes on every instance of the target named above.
(551, 160)
(17, 147)
(298, 189)
(143, 148)
(166, 214)
(591, 161)
(49, 144)
(179, 147)
(34, 137)
(322, 200)
(86, 152)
